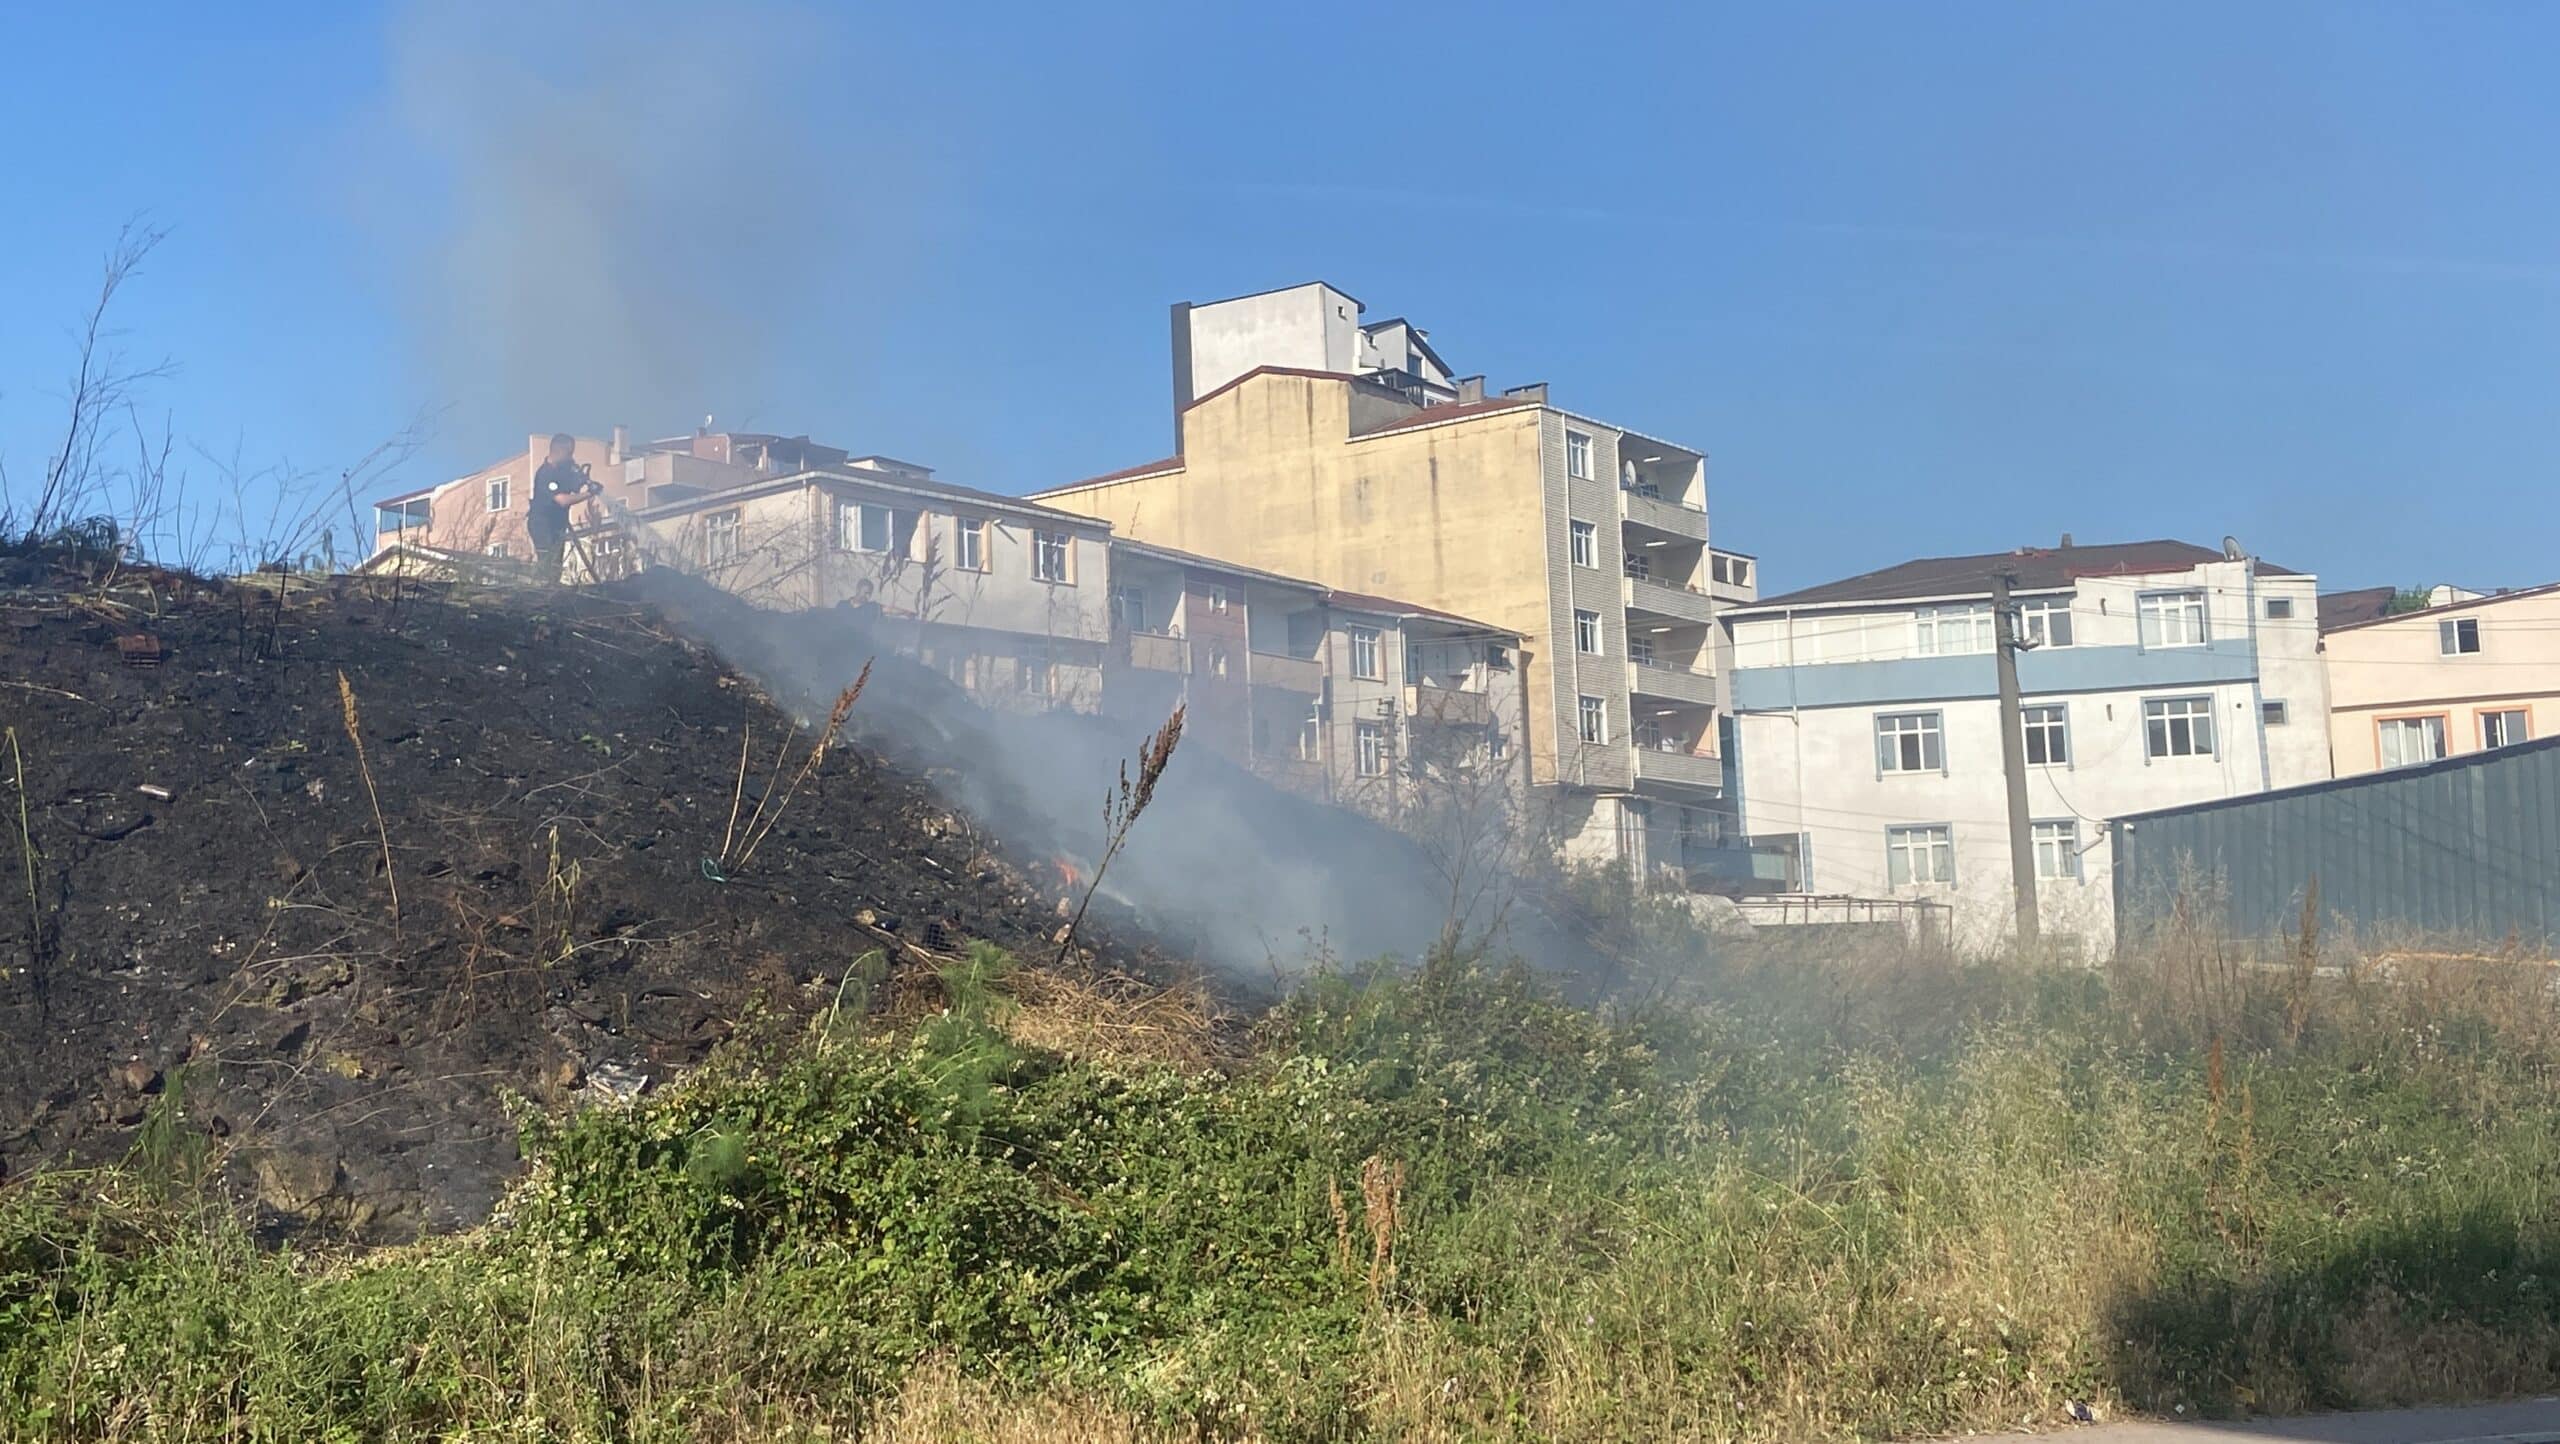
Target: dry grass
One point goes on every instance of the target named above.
(1121, 1019)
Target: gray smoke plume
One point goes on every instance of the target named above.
(630, 212)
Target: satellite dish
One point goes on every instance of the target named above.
(2231, 549)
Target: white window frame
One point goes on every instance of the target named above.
(1640, 649)
(723, 536)
(969, 544)
(2452, 632)
(1591, 720)
(856, 538)
(1578, 449)
(1960, 629)
(1928, 729)
(2056, 843)
(1369, 749)
(2196, 711)
(2523, 728)
(1907, 847)
(1217, 661)
(1053, 558)
(1583, 540)
(2431, 730)
(1217, 599)
(498, 494)
(1587, 639)
(1310, 743)
(1367, 663)
(1637, 565)
(2036, 621)
(2155, 611)
(2049, 723)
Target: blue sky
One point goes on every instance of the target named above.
(1919, 278)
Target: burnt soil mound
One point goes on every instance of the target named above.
(209, 912)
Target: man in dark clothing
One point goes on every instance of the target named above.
(558, 486)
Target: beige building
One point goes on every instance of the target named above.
(1314, 445)
(2476, 672)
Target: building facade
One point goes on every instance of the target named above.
(1316, 445)
(1867, 717)
(2463, 675)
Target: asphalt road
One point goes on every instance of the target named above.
(2532, 1421)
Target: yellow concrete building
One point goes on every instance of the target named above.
(1371, 469)
(2443, 680)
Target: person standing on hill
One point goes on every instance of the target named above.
(559, 485)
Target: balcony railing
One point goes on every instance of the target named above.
(1156, 652)
(1661, 599)
(1293, 674)
(1685, 769)
(1447, 705)
(1677, 684)
(1670, 517)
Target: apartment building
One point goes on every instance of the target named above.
(1316, 444)
(1355, 699)
(2157, 674)
(2468, 672)
(1006, 598)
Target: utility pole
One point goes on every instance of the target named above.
(2013, 758)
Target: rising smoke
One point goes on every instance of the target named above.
(634, 212)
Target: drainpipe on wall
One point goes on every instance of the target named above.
(2258, 674)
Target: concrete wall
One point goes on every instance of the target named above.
(1313, 327)
(1449, 516)
(2396, 668)
(1808, 737)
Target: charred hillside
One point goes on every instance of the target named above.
(199, 898)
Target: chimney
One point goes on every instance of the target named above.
(2066, 541)
(1470, 388)
(1534, 391)
(621, 446)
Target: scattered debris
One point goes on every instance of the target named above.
(620, 1082)
(139, 649)
(154, 792)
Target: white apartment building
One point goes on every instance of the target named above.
(2160, 673)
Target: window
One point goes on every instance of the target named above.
(494, 549)
(1370, 748)
(1577, 456)
(2502, 729)
(1310, 738)
(2048, 735)
(2057, 848)
(1217, 661)
(1364, 653)
(612, 556)
(1586, 633)
(1586, 543)
(2274, 714)
(720, 536)
(1049, 556)
(497, 495)
(1497, 657)
(1128, 609)
(1638, 566)
(1591, 717)
(1919, 855)
(1217, 599)
(2407, 741)
(970, 555)
(2178, 727)
(1727, 568)
(1036, 670)
(2171, 619)
(1640, 650)
(2279, 609)
(1497, 743)
(1909, 742)
(1635, 818)
(2458, 636)
(864, 527)
(2046, 623)
(1943, 631)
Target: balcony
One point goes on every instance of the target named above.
(1447, 705)
(1662, 599)
(1733, 578)
(1675, 684)
(1681, 769)
(1291, 674)
(1156, 652)
(1671, 518)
